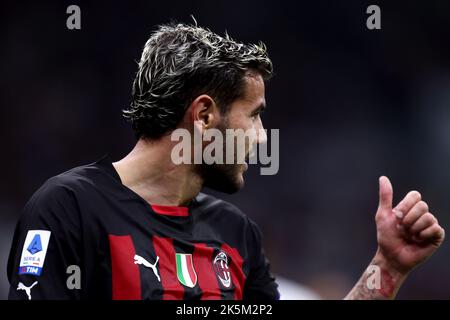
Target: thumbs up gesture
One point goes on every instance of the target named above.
(408, 233)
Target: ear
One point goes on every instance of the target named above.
(204, 112)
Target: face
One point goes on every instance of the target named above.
(244, 113)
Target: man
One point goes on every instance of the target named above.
(139, 228)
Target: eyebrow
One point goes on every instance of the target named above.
(259, 108)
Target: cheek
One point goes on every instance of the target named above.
(241, 123)
(244, 123)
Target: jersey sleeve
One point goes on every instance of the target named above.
(260, 283)
(45, 243)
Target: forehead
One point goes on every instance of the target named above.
(254, 87)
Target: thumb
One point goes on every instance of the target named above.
(385, 193)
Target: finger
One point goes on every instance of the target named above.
(408, 202)
(419, 209)
(434, 233)
(385, 193)
(422, 223)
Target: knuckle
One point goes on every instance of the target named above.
(423, 206)
(415, 195)
(377, 217)
(408, 222)
(435, 220)
(435, 229)
(429, 218)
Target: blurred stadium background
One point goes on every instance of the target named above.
(351, 104)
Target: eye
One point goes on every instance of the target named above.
(256, 114)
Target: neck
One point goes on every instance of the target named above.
(149, 171)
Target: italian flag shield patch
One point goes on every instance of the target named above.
(185, 270)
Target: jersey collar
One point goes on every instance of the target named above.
(173, 211)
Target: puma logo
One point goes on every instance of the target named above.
(27, 290)
(145, 263)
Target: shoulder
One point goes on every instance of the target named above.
(69, 182)
(57, 197)
(219, 206)
(230, 213)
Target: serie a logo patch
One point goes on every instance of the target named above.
(34, 251)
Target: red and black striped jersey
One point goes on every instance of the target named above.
(84, 235)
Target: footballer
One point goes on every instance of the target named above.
(140, 227)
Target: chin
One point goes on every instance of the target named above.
(224, 178)
(228, 187)
(238, 184)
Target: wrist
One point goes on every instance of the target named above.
(389, 265)
(391, 276)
